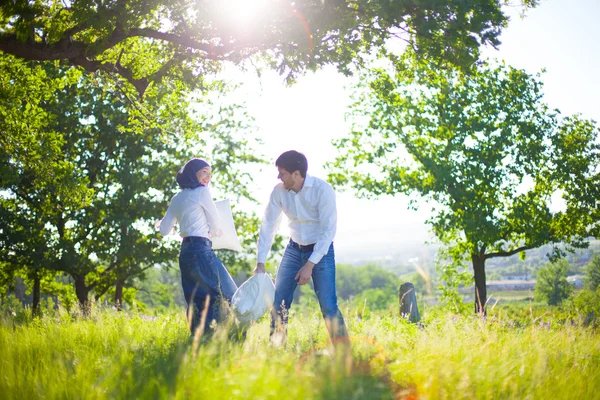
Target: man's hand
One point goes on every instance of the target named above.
(260, 268)
(305, 273)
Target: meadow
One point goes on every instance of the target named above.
(517, 352)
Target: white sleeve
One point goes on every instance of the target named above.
(168, 221)
(328, 218)
(210, 210)
(268, 227)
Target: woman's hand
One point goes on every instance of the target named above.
(218, 233)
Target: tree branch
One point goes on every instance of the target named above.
(508, 253)
(176, 39)
(92, 66)
(82, 54)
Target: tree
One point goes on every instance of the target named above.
(551, 283)
(147, 41)
(87, 207)
(32, 172)
(484, 150)
(592, 274)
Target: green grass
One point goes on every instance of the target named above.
(110, 355)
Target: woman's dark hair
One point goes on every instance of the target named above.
(186, 177)
(293, 161)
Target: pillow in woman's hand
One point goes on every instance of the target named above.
(228, 239)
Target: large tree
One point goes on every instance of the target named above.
(33, 174)
(145, 41)
(484, 150)
(85, 203)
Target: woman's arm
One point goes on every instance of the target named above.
(168, 221)
(210, 210)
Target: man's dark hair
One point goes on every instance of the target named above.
(293, 161)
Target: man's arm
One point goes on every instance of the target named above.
(328, 218)
(268, 227)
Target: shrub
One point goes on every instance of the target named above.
(551, 284)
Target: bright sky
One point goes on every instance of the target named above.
(563, 37)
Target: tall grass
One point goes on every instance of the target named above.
(127, 355)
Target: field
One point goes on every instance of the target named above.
(516, 353)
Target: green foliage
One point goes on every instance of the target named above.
(592, 273)
(351, 281)
(88, 181)
(376, 300)
(161, 290)
(149, 41)
(587, 305)
(482, 148)
(453, 274)
(551, 283)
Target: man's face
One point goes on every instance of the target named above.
(204, 176)
(288, 179)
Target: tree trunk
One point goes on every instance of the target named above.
(35, 306)
(119, 294)
(480, 283)
(82, 291)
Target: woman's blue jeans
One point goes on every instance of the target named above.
(204, 279)
(323, 277)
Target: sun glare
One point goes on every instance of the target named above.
(243, 12)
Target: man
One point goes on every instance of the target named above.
(309, 204)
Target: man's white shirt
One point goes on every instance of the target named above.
(195, 212)
(312, 217)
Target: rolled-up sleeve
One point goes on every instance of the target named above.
(268, 227)
(328, 222)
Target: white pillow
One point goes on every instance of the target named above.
(253, 298)
(229, 239)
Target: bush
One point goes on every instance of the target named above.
(551, 285)
(592, 274)
(587, 302)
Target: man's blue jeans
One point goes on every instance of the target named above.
(203, 276)
(323, 276)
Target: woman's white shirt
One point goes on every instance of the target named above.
(195, 212)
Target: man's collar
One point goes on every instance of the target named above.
(308, 181)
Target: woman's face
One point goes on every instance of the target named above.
(204, 176)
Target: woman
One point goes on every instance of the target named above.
(206, 282)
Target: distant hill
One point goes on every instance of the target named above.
(401, 258)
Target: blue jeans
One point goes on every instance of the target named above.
(204, 277)
(323, 276)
